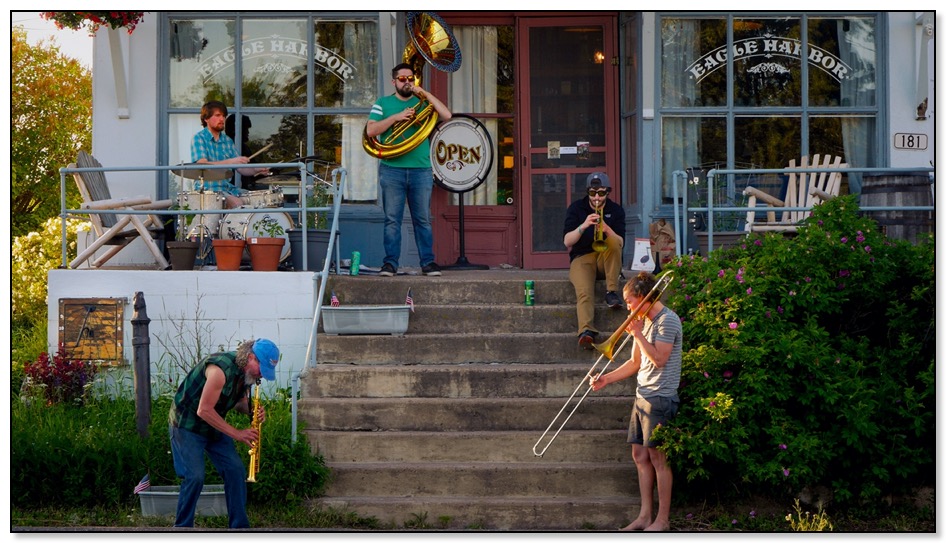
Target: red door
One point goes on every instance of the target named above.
(546, 89)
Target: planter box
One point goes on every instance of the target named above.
(721, 240)
(390, 319)
(161, 501)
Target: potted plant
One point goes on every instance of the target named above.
(266, 249)
(229, 251)
(317, 234)
(183, 250)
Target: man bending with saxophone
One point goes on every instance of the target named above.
(594, 236)
(217, 384)
(656, 360)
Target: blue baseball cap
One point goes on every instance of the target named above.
(268, 355)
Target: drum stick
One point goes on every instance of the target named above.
(251, 157)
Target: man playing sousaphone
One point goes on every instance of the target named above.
(594, 236)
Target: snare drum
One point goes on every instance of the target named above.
(271, 197)
(288, 184)
(196, 200)
(241, 226)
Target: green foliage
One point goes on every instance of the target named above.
(806, 522)
(51, 114)
(824, 345)
(269, 226)
(31, 258)
(67, 456)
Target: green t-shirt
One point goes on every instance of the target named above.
(418, 157)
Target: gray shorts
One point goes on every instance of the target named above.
(647, 414)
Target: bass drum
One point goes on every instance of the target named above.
(241, 226)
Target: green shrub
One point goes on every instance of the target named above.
(32, 256)
(67, 456)
(808, 361)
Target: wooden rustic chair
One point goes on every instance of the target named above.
(115, 230)
(803, 190)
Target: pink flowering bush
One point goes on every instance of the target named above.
(824, 343)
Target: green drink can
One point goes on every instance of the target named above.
(530, 293)
(355, 262)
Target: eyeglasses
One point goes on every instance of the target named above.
(404, 78)
(599, 192)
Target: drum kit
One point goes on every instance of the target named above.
(238, 224)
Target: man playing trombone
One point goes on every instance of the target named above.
(656, 359)
(594, 236)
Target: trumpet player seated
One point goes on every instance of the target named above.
(656, 360)
(197, 425)
(594, 236)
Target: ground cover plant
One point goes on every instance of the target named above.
(808, 366)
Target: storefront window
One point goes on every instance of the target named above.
(763, 117)
(306, 85)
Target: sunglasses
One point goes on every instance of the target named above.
(404, 78)
(599, 192)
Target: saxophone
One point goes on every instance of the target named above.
(255, 449)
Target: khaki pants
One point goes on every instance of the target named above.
(583, 273)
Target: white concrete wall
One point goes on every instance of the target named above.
(228, 306)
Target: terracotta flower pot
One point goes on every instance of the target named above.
(265, 253)
(229, 253)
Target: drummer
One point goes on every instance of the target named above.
(213, 146)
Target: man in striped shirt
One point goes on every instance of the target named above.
(656, 360)
(213, 146)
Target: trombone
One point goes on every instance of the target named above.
(606, 348)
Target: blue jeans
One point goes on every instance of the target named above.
(188, 449)
(413, 185)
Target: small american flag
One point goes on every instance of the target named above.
(144, 484)
(335, 302)
(410, 300)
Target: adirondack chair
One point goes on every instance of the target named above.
(115, 230)
(804, 190)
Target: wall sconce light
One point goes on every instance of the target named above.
(599, 57)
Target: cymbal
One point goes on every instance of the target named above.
(205, 174)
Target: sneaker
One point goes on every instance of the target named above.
(388, 270)
(431, 269)
(613, 300)
(587, 339)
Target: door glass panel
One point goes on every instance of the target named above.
(275, 56)
(485, 84)
(549, 201)
(567, 86)
(201, 62)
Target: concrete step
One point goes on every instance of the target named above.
(459, 381)
(460, 414)
(493, 513)
(520, 347)
(551, 288)
(594, 446)
(498, 319)
(425, 479)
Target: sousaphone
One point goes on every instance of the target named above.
(431, 42)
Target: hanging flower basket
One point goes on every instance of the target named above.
(93, 20)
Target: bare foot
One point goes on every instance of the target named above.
(641, 523)
(658, 526)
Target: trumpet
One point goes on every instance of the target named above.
(606, 349)
(255, 449)
(599, 244)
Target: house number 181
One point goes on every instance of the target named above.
(903, 140)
